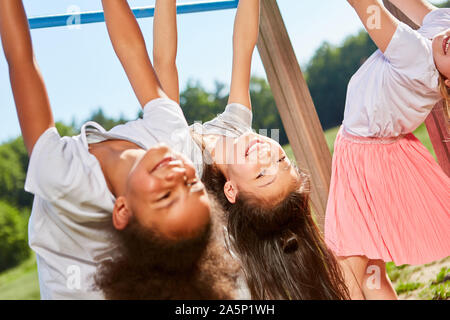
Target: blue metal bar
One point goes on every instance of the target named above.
(145, 12)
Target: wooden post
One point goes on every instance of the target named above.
(437, 123)
(295, 105)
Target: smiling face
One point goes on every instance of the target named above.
(256, 165)
(164, 194)
(441, 53)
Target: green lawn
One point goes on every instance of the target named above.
(330, 135)
(21, 282)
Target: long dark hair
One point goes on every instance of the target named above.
(150, 267)
(281, 249)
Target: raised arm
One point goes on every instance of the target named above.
(378, 21)
(30, 95)
(165, 40)
(416, 10)
(245, 36)
(129, 45)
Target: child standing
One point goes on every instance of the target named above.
(389, 199)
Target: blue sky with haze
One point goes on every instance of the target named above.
(82, 73)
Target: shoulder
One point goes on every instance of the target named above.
(57, 165)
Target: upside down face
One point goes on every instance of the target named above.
(256, 165)
(165, 194)
(441, 54)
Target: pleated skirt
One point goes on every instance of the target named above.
(388, 200)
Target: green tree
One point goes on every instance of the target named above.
(106, 122)
(329, 72)
(13, 237)
(200, 105)
(13, 167)
(265, 112)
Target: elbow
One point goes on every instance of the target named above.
(163, 61)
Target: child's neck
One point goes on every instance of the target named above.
(117, 158)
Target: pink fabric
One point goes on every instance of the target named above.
(388, 200)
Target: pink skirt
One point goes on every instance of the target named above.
(389, 200)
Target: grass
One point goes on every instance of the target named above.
(421, 282)
(439, 289)
(407, 287)
(21, 282)
(330, 136)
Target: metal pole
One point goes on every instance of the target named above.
(144, 12)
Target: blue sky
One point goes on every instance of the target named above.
(82, 73)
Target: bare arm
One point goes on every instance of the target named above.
(30, 95)
(129, 45)
(165, 39)
(245, 36)
(378, 21)
(416, 10)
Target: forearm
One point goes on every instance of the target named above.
(165, 35)
(129, 45)
(378, 21)
(124, 31)
(246, 26)
(416, 10)
(30, 95)
(245, 37)
(14, 31)
(165, 41)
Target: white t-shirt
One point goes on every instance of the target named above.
(70, 225)
(235, 121)
(393, 93)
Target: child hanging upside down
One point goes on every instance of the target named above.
(90, 186)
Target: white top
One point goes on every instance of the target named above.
(70, 225)
(393, 93)
(235, 121)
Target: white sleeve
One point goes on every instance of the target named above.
(162, 117)
(54, 170)
(410, 53)
(435, 22)
(236, 117)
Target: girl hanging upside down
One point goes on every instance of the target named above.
(264, 196)
(389, 198)
(100, 196)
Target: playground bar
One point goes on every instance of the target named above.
(144, 12)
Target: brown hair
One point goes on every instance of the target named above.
(282, 252)
(151, 267)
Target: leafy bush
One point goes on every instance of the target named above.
(13, 237)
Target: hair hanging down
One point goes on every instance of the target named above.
(150, 267)
(281, 249)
